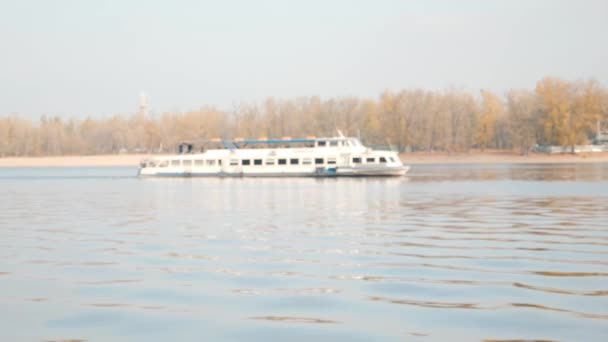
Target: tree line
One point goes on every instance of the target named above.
(556, 112)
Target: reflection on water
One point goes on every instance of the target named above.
(452, 252)
(520, 172)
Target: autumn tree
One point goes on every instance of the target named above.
(491, 110)
(523, 121)
(587, 110)
(568, 111)
(555, 106)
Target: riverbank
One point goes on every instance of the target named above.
(501, 157)
(67, 161)
(491, 157)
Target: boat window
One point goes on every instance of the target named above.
(392, 159)
(382, 160)
(370, 160)
(282, 161)
(357, 160)
(306, 161)
(269, 161)
(198, 162)
(163, 163)
(333, 143)
(234, 162)
(175, 163)
(219, 162)
(319, 161)
(294, 161)
(257, 162)
(187, 162)
(246, 162)
(151, 163)
(210, 162)
(321, 143)
(331, 160)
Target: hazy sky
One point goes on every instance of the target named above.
(77, 57)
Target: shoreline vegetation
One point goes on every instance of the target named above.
(474, 157)
(555, 113)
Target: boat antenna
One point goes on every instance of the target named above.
(340, 133)
(143, 105)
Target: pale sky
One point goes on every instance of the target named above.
(74, 58)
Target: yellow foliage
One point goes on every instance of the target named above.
(557, 112)
(491, 110)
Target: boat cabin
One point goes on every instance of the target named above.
(264, 143)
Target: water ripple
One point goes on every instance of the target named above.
(295, 319)
(478, 306)
(487, 253)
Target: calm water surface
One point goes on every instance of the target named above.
(460, 253)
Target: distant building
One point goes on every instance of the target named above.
(571, 149)
(601, 137)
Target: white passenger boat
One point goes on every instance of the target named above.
(313, 157)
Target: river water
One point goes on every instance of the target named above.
(450, 252)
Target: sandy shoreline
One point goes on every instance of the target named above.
(503, 158)
(408, 158)
(65, 161)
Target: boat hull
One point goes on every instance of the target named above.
(373, 171)
(332, 172)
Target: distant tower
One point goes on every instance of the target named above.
(143, 105)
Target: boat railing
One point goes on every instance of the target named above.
(198, 146)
